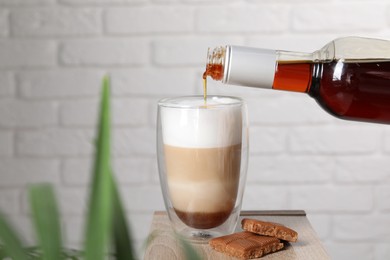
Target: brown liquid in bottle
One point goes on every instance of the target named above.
(293, 77)
(348, 90)
(357, 91)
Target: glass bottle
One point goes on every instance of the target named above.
(349, 77)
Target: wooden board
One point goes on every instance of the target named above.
(165, 246)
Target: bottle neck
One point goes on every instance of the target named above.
(215, 63)
(260, 68)
(294, 57)
(293, 71)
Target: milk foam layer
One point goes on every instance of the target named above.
(191, 123)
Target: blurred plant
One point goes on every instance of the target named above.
(105, 224)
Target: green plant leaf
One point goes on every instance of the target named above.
(12, 244)
(122, 238)
(99, 223)
(46, 220)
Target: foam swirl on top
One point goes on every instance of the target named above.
(188, 122)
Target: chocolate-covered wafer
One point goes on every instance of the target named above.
(246, 245)
(269, 229)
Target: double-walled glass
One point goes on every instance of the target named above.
(202, 149)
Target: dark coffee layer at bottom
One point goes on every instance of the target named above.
(203, 220)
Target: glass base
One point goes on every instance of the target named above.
(199, 236)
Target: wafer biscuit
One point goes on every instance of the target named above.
(269, 229)
(246, 245)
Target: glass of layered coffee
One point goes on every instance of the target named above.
(202, 147)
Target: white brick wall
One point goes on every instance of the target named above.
(19, 113)
(149, 19)
(27, 53)
(54, 53)
(59, 83)
(105, 52)
(6, 143)
(49, 21)
(54, 142)
(25, 2)
(344, 17)
(7, 84)
(246, 18)
(18, 172)
(4, 22)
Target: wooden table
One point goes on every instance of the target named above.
(165, 246)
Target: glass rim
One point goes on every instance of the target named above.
(172, 102)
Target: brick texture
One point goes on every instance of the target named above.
(85, 2)
(149, 20)
(6, 143)
(350, 199)
(85, 112)
(360, 16)
(26, 2)
(9, 201)
(362, 228)
(55, 142)
(105, 52)
(262, 197)
(55, 21)
(134, 141)
(18, 114)
(7, 83)
(153, 82)
(19, 172)
(382, 251)
(326, 140)
(27, 53)
(151, 198)
(267, 18)
(134, 170)
(351, 250)
(299, 109)
(188, 50)
(4, 25)
(54, 53)
(382, 196)
(59, 83)
(267, 140)
(290, 169)
(360, 169)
